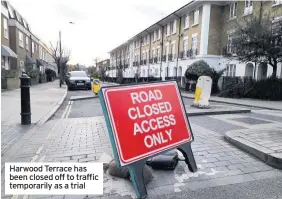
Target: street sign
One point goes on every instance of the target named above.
(96, 86)
(144, 120)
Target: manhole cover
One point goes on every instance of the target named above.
(250, 120)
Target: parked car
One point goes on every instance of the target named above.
(78, 80)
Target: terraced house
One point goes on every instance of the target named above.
(198, 30)
(21, 48)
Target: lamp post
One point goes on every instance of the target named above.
(60, 51)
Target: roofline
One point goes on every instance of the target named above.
(158, 22)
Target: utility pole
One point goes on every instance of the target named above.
(60, 61)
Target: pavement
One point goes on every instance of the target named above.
(265, 144)
(77, 133)
(45, 100)
(274, 105)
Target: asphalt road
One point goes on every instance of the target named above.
(259, 189)
(89, 107)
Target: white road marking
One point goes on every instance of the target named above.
(37, 154)
(67, 115)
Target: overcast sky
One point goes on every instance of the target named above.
(100, 25)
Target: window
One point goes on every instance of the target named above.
(32, 47)
(148, 39)
(174, 27)
(155, 36)
(159, 34)
(167, 29)
(6, 34)
(156, 71)
(143, 72)
(11, 12)
(230, 48)
(26, 42)
(196, 17)
(186, 22)
(173, 51)
(159, 54)
(194, 45)
(231, 70)
(233, 8)
(24, 23)
(21, 43)
(248, 7)
(154, 53)
(185, 46)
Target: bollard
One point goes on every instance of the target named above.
(25, 100)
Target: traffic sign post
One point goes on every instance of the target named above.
(144, 120)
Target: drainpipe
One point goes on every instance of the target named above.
(139, 66)
(149, 55)
(178, 47)
(162, 46)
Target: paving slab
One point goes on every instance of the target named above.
(265, 144)
(45, 100)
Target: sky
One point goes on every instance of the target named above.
(99, 25)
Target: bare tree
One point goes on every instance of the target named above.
(258, 40)
(61, 59)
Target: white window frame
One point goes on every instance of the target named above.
(159, 34)
(156, 71)
(194, 43)
(185, 44)
(233, 10)
(196, 17)
(186, 21)
(168, 29)
(231, 70)
(21, 42)
(26, 43)
(11, 11)
(158, 54)
(5, 23)
(32, 46)
(248, 9)
(155, 35)
(174, 26)
(148, 38)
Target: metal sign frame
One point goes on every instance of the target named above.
(136, 168)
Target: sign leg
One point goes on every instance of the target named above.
(137, 178)
(189, 157)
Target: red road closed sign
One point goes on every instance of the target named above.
(146, 119)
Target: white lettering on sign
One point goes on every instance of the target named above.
(145, 97)
(159, 114)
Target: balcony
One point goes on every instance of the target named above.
(155, 59)
(191, 53)
(170, 57)
(181, 54)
